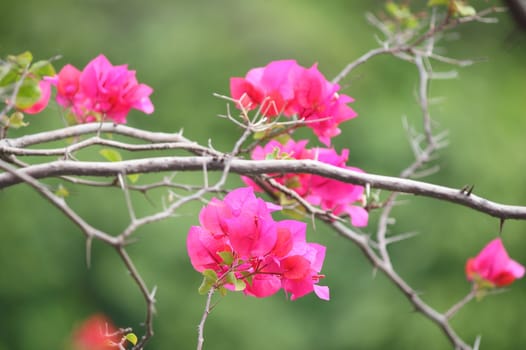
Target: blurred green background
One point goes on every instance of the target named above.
(187, 50)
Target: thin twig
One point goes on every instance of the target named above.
(206, 312)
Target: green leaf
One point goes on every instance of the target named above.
(28, 94)
(71, 119)
(62, 191)
(292, 208)
(8, 75)
(16, 120)
(438, 2)
(223, 291)
(239, 285)
(465, 10)
(247, 277)
(228, 257)
(210, 275)
(133, 177)
(110, 154)
(132, 338)
(231, 277)
(23, 60)
(259, 135)
(293, 182)
(205, 286)
(42, 68)
(283, 138)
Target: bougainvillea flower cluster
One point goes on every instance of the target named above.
(336, 196)
(494, 266)
(288, 89)
(238, 237)
(101, 91)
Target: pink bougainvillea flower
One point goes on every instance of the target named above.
(239, 236)
(67, 84)
(301, 273)
(268, 87)
(101, 91)
(41, 104)
(286, 88)
(336, 196)
(96, 333)
(317, 101)
(493, 265)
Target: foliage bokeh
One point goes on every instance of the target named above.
(187, 51)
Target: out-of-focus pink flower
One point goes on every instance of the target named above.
(336, 196)
(96, 333)
(67, 84)
(494, 265)
(263, 252)
(45, 93)
(284, 87)
(102, 91)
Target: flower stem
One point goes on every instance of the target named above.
(455, 308)
(201, 327)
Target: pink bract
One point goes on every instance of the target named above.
(286, 88)
(336, 196)
(266, 254)
(41, 104)
(102, 91)
(494, 265)
(96, 333)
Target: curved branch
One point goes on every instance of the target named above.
(257, 167)
(441, 320)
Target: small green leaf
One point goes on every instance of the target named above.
(231, 277)
(210, 275)
(28, 94)
(392, 8)
(259, 135)
(283, 138)
(71, 119)
(8, 75)
(205, 286)
(239, 285)
(133, 177)
(132, 338)
(16, 120)
(292, 208)
(293, 182)
(222, 291)
(465, 10)
(228, 257)
(23, 60)
(42, 68)
(110, 154)
(247, 277)
(438, 2)
(62, 191)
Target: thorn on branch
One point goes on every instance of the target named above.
(501, 225)
(467, 190)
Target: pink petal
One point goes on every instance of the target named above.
(322, 292)
(359, 216)
(45, 93)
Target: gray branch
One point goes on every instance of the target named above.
(257, 167)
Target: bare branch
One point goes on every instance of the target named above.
(257, 167)
(420, 306)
